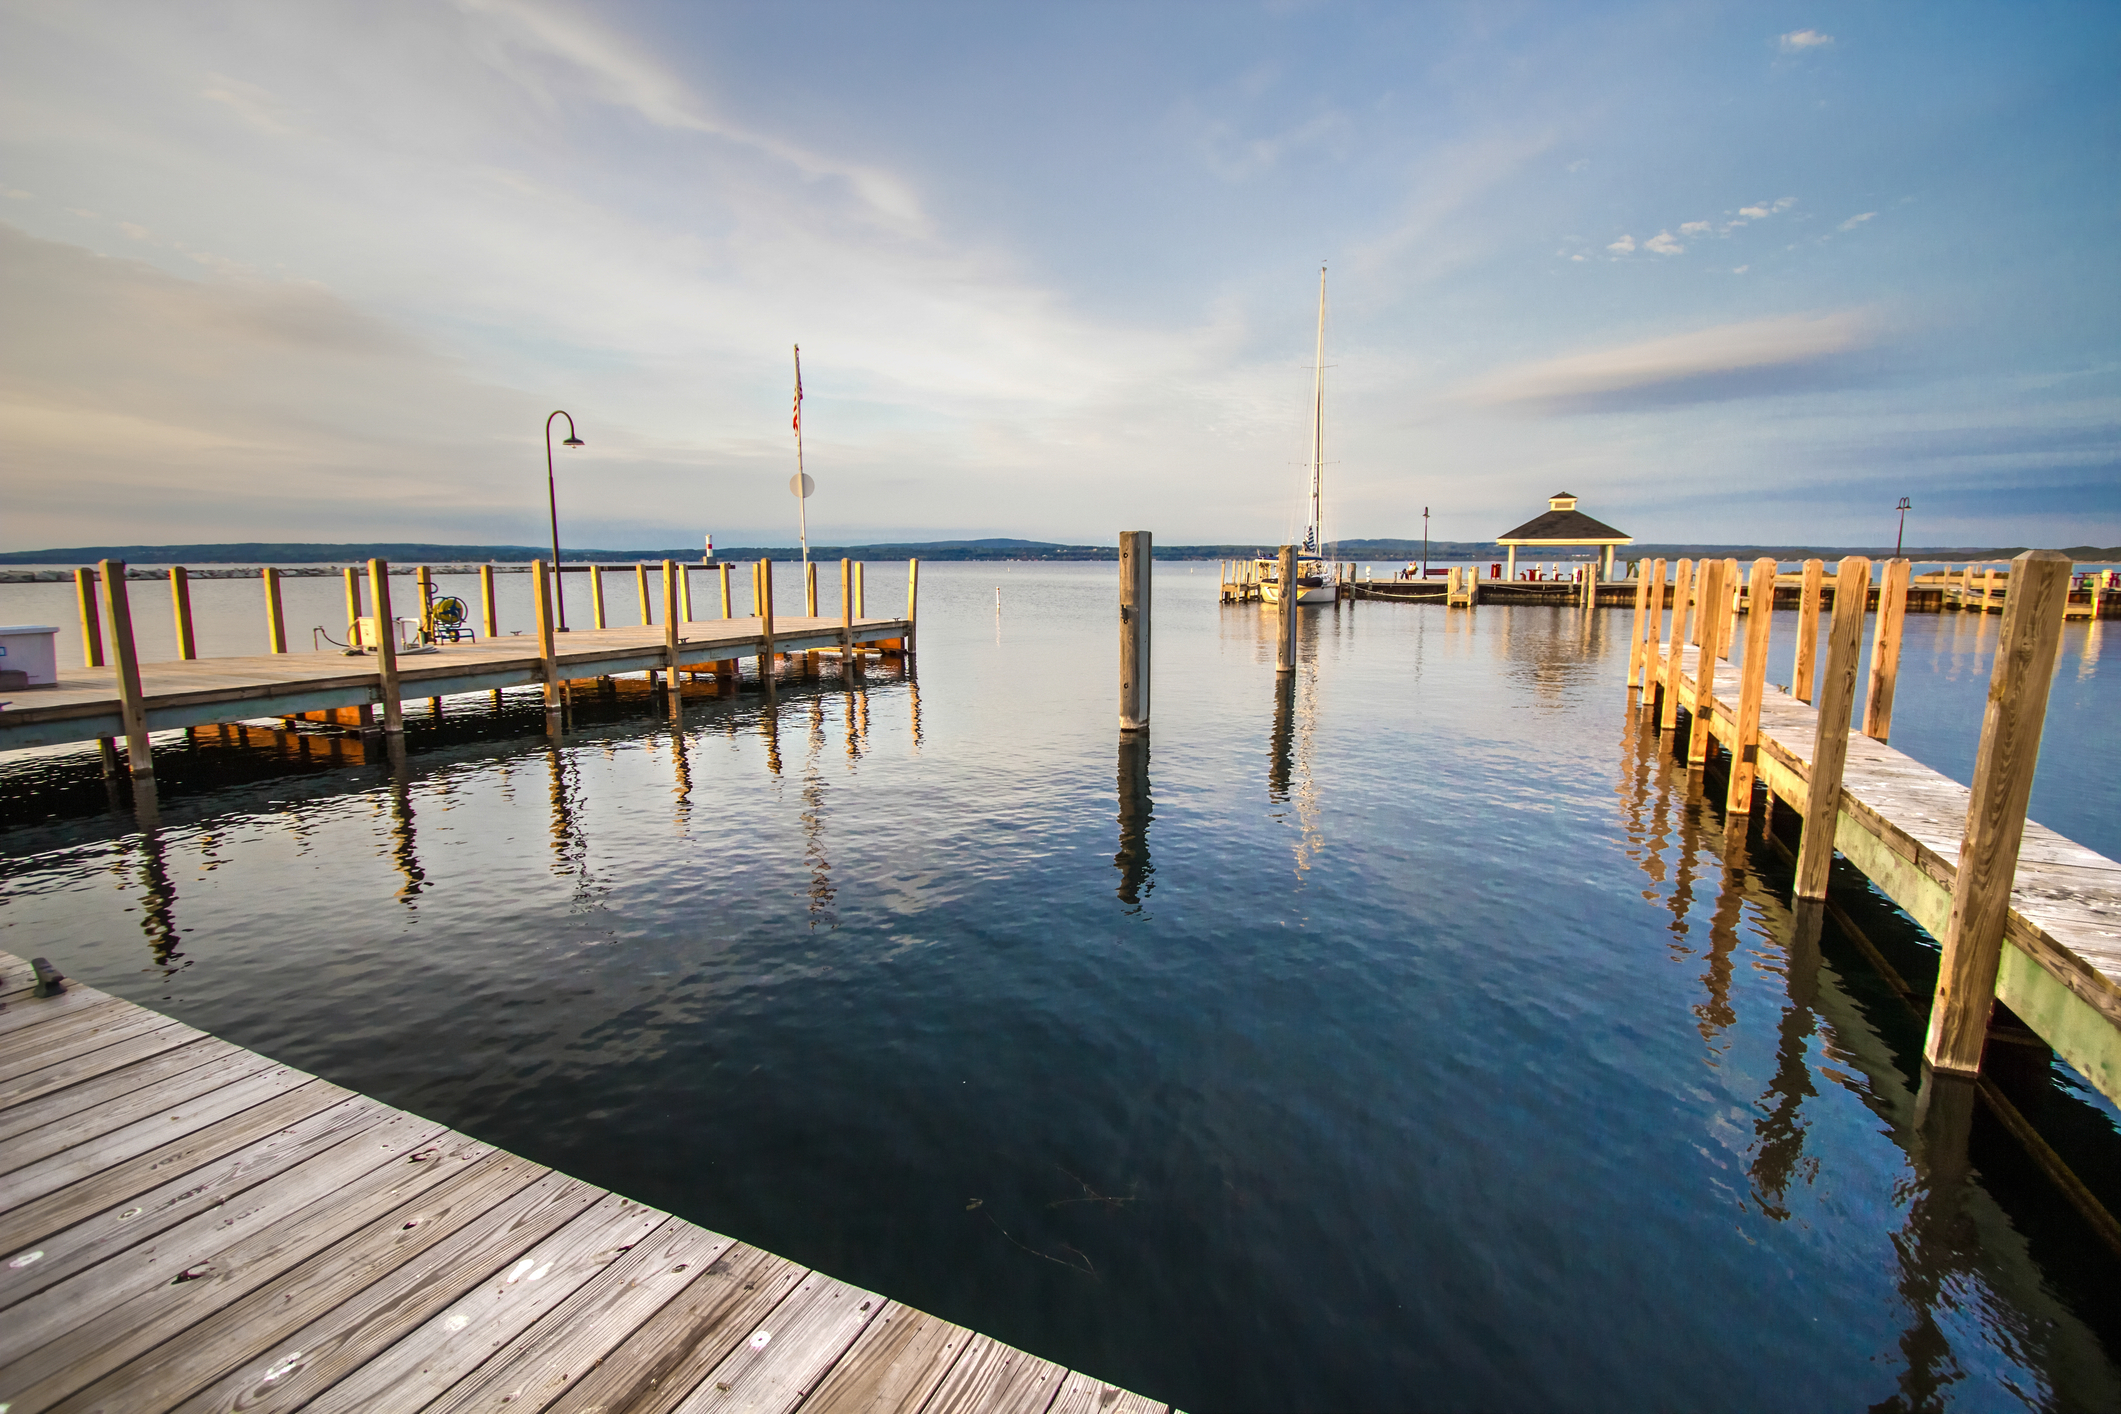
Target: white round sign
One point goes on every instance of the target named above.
(801, 485)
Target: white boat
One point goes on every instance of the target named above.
(1314, 576)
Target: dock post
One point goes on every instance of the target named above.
(1642, 599)
(353, 607)
(490, 610)
(1830, 744)
(1714, 603)
(1651, 632)
(1285, 616)
(861, 607)
(91, 627)
(640, 583)
(913, 584)
(1805, 675)
(180, 602)
(727, 607)
(1995, 815)
(132, 703)
(673, 592)
(275, 615)
(1136, 556)
(684, 604)
(810, 586)
(846, 615)
(1988, 589)
(596, 595)
(1745, 738)
(1682, 586)
(1885, 651)
(548, 651)
(386, 647)
(423, 579)
(765, 600)
(1728, 605)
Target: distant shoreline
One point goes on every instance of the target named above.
(318, 557)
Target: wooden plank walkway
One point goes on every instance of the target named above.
(1902, 824)
(185, 1225)
(198, 692)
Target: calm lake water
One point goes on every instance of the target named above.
(1406, 1037)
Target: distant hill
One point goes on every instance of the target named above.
(311, 552)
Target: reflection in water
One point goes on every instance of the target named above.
(681, 769)
(813, 816)
(913, 703)
(158, 904)
(1955, 1250)
(770, 731)
(1136, 810)
(401, 836)
(1281, 753)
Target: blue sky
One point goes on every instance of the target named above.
(1726, 272)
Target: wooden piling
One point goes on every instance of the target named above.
(1806, 673)
(1830, 745)
(913, 584)
(132, 703)
(386, 647)
(1713, 603)
(684, 604)
(727, 607)
(1988, 589)
(180, 603)
(1727, 605)
(1642, 600)
(424, 585)
(846, 613)
(860, 603)
(275, 614)
(810, 586)
(596, 595)
(91, 627)
(640, 583)
(1752, 680)
(541, 578)
(765, 601)
(1136, 558)
(488, 607)
(1885, 650)
(673, 581)
(1682, 586)
(1995, 816)
(353, 607)
(1652, 632)
(1285, 616)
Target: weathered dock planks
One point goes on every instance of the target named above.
(185, 1225)
(86, 703)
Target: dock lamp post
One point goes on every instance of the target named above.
(552, 502)
(1904, 507)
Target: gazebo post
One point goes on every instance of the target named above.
(1608, 575)
(1510, 571)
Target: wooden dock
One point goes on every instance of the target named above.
(186, 1225)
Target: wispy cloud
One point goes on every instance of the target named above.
(1600, 378)
(1797, 41)
(1854, 221)
(1664, 244)
(1623, 245)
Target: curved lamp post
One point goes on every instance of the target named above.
(552, 502)
(1904, 507)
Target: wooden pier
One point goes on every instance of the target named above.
(185, 1225)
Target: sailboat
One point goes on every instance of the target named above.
(1314, 580)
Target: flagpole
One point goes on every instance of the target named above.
(802, 502)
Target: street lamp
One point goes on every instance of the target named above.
(1904, 507)
(552, 502)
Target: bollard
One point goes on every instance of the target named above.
(1136, 557)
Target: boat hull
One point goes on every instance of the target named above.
(1307, 596)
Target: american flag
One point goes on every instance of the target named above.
(798, 422)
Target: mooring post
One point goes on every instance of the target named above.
(684, 604)
(353, 607)
(180, 603)
(1642, 599)
(727, 607)
(423, 579)
(765, 573)
(1651, 632)
(91, 629)
(1745, 738)
(1135, 558)
(640, 585)
(913, 583)
(1713, 604)
(548, 648)
(1995, 814)
(1988, 589)
(386, 647)
(673, 616)
(275, 615)
(1682, 586)
(1727, 610)
(1885, 650)
(1285, 614)
(846, 616)
(490, 612)
(1830, 743)
(596, 595)
(132, 703)
(1805, 675)
(861, 607)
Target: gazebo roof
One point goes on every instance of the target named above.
(1563, 524)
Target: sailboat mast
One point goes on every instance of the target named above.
(1318, 426)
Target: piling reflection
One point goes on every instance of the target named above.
(158, 902)
(402, 845)
(681, 780)
(1136, 810)
(821, 891)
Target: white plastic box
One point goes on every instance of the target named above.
(32, 649)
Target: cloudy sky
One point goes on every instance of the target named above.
(1728, 272)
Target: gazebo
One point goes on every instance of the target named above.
(1562, 526)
